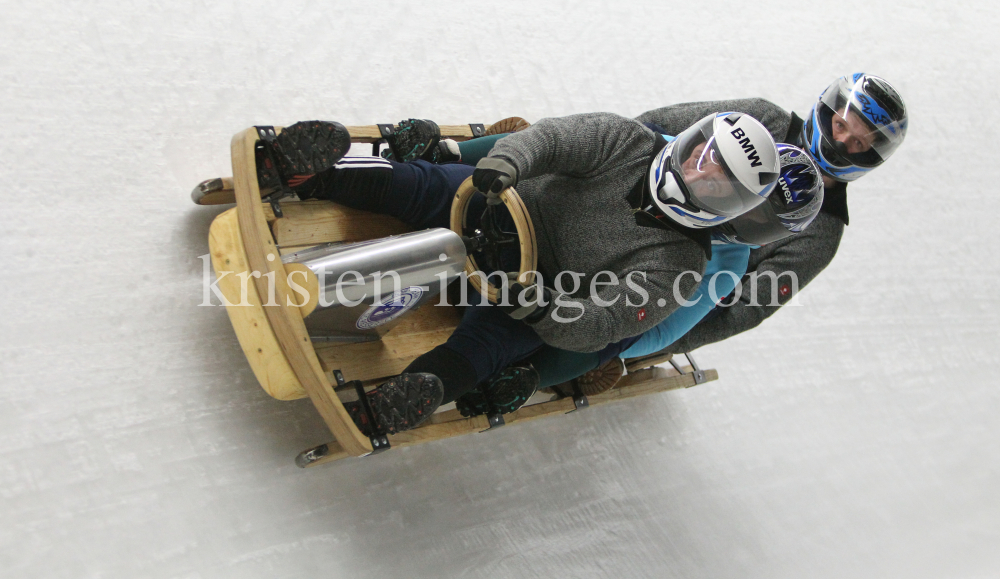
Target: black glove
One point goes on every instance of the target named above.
(493, 175)
(518, 294)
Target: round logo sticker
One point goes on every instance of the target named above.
(389, 308)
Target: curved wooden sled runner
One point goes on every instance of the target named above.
(246, 243)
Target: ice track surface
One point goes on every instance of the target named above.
(854, 436)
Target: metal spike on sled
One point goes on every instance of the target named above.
(300, 345)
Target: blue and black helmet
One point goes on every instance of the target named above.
(858, 122)
(789, 209)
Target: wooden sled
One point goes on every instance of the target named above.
(248, 240)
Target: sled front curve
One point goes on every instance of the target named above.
(285, 322)
(246, 312)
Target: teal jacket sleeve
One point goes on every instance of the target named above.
(727, 266)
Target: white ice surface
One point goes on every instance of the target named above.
(855, 436)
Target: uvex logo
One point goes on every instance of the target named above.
(748, 147)
(785, 190)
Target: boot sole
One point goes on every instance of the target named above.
(402, 403)
(310, 147)
(508, 125)
(405, 142)
(596, 381)
(503, 395)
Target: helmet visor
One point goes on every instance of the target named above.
(856, 128)
(758, 226)
(704, 175)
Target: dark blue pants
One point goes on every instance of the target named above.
(420, 194)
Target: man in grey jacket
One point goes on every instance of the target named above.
(856, 124)
(605, 194)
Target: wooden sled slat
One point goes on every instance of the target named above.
(315, 222)
(371, 134)
(286, 322)
(452, 424)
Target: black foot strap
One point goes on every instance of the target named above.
(579, 398)
(267, 136)
(379, 439)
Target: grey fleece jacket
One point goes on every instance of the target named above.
(806, 254)
(574, 174)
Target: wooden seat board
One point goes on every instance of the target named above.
(315, 222)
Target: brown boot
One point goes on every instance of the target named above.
(596, 381)
(508, 125)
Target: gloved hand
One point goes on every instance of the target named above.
(518, 294)
(493, 175)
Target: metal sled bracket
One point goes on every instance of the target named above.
(385, 131)
(495, 420)
(308, 457)
(275, 207)
(478, 130)
(266, 133)
(579, 398)
(698, 373)
(379, 444)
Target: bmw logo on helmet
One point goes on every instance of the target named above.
(719, 168)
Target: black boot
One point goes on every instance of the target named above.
(298, 153)
(413, 139)
(503, 393)
(402, 403)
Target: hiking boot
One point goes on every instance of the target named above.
(402, 403)
(298, 153)
(413, 139)
(504, 393)
(508, 125)
(597, 381)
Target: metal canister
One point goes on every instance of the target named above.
(365, 288)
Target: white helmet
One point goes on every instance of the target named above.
(717, 169)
